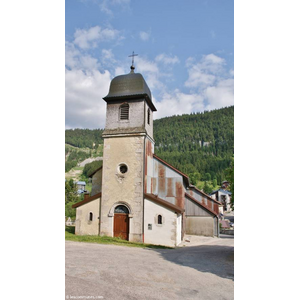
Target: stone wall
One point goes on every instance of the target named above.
(121, 188)
(136, 115)
(149, 127)
(96, 183)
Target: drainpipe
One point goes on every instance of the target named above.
(99, 227)
(143, 187)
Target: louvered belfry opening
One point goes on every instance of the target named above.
(148, 116)
(124, 111)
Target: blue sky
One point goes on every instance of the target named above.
(185, 53)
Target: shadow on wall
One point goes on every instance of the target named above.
(218, 260)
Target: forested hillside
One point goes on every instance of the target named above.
(84, 138)
(199, 144)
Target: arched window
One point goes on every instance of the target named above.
(148, 117)
(159, 219)
(91, 216)
(121, 209)
(124, 111)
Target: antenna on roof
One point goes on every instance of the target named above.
(132, 65)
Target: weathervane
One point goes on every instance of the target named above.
(132, 66)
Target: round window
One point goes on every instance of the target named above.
(123, 168)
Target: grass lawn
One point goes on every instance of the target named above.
(78, 168)
(88, 187)
(70, 236)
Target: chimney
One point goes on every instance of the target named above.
(86, 195)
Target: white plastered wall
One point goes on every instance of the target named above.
(82, 223)
(168, 233)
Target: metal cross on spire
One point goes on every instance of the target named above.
(132, 66)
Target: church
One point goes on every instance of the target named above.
(135, 194)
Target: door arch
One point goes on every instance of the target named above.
(121, 222)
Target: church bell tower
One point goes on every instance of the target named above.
(128, 143)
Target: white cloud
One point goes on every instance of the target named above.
(71, 55)
(90, 38)
(84, 91)
(151, 73)
(205, 72)
(120, 71)
(178, 103)
(145, 66)
(209, 79)
(165, 59)
(74, 59)
(144, 36)
(220, 95)
(105, 5)
(198, 78)
(210, 85)
(107, 54)
(212, 59)
(212, 97)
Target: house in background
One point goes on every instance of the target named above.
(80, 187)
(135, 194)
(225, 184)
(224, 197)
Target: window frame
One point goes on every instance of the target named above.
(124, 112)
(159, 219)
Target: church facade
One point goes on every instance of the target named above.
(135, 194)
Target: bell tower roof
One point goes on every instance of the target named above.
(130, 86)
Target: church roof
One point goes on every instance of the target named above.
(199, 203)
(173, 168)
(222, 191)
(80, 183)
(131, 85)
(208, 196)
(89, 199)
(93, 173)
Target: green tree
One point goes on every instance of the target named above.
(70, 192)
(195, 177)
(215, 182)
(91, 167)
(69, 211)
(207, 188)
(207, 176)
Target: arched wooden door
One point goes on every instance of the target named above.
(121, 222)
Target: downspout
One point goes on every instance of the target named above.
(144, 158)
(143, 225)
(100, 202)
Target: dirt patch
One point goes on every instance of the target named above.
(89, 160)
(74, 174)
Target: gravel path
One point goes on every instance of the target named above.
(114, 272)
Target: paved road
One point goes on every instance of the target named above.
(118, 272)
